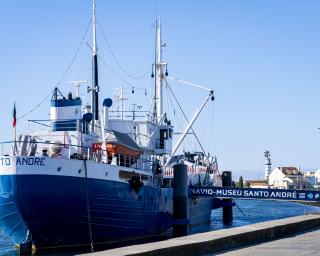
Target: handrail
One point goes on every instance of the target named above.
(38, 121)
(88, 153)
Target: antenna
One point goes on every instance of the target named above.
(94, 27)
(159, 73)
(94, 89)
(77, 84)
(120, 96)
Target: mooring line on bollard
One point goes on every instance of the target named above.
(235, 203)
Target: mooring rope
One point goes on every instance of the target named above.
(311, 213)
(88, 206)
(238, 207)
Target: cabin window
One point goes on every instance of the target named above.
(164, 134)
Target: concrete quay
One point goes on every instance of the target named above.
(303, 244)
(221, 240)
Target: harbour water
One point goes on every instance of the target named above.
(252, 211)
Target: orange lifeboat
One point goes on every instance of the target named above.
(119, 143)
(113, 148)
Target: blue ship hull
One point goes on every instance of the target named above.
(55, 210)
(11, 222)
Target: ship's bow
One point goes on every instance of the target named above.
(11, 223)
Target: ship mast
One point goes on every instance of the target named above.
(95, 86)
(159, 74)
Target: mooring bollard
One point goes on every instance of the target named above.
(180, 200)
(227, 214)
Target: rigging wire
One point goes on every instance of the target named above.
(121, 78)
(117, 61)
(34, 108)
(75, 55)
(187, 140)
(114, 72)
(185, 116)
(150, 100)
(63, 75)
(179, 124)
(188, 83)
(211, 129)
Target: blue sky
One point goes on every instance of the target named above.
(260, 57)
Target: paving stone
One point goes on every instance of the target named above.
(305, 244)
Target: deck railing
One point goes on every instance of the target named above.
(62, 150)
(64, 125)
(138, 115)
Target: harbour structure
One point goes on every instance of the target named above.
(261, 183)
(88, 179)
(311, 177)
(267, 165)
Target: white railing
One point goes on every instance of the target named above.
(130, 115)
(63, 125)
(63, 150)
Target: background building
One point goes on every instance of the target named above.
(312, 179)
(256, 184)
(288, 178)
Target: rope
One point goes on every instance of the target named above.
(120, 77)
(116, 59)
(177, 120)
(75, 55)
(211, 129)
(114, 72)
(188, 83)
(238, 207)
(62, 77)
(37, 106)
(117, 75)
(185, 116)
(311, 213)
(88, 207)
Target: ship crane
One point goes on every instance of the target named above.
(188, 127)
(185, 116)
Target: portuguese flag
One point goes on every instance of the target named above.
(14, 116)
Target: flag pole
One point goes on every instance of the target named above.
(15, 134)
(14, 123)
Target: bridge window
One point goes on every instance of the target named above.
(164, 133)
